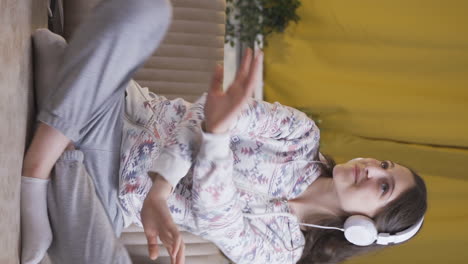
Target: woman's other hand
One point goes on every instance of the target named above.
(222, 108)
(157, 222)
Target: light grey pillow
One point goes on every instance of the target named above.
(48, 50)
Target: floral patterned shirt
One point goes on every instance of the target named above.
(226, 186)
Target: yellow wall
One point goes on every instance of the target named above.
(387, 79)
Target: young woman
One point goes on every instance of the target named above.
(242, 173)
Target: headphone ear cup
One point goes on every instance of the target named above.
(360, 230)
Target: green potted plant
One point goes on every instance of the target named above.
(250, 21)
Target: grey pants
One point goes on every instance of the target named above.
(86, 103)
(81, 229)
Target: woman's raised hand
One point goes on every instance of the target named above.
(222, 108)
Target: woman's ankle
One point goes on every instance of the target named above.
(32, 173)
(70, 146)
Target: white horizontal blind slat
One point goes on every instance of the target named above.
(205, 249)
(177, 63)
(218, 5)
(138, 238)
(207, 259)
(183, 64)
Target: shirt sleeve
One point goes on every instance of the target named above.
(258, 118)
(217, 209)
(273, 120)
(181, 147)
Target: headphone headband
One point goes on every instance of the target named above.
(386, 238)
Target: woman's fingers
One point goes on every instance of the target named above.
(173, 243)
(180, 259)
(153, 249)
(169, 248)
(177, 243)
(244, 69)
(172, 240)
(253, 74)
(217, 81)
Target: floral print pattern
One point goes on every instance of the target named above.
(265, 160)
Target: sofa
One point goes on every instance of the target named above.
(17, 111)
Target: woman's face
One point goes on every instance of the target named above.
(365, 185)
